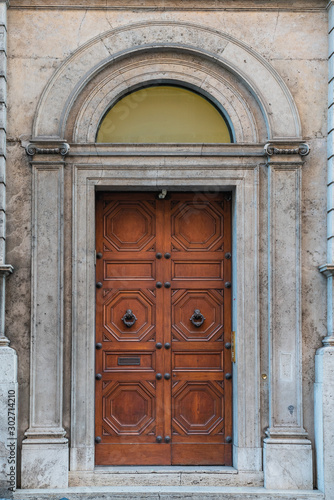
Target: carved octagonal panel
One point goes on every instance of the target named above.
(197, 408)
(209, 302)
(129, 226)
(143, 308)
(129, 408)
(197, 226)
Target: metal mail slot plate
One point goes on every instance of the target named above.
(129, 361)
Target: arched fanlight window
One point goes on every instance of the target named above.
(163, 114)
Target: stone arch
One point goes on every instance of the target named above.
(70, 106)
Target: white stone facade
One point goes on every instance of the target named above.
(62, 65)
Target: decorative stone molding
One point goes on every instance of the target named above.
(6, 269)
(275, 101)
(302, 149)
(33, 148)
(327, 270)
(286, 447)
(192, 71)
(45, 449)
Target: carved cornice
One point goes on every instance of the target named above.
(226, 5)
(301, 149)
(60, 148)
(6, 269)
(327, 270)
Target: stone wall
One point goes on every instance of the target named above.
(291, 36)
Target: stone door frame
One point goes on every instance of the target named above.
(199, 173)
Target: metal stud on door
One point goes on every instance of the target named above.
(163, 273)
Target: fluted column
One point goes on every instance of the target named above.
(287, 451)
(324, 359)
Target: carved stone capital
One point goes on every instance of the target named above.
(58, 148)
(6, 269)
(327, 270)
(301, 149)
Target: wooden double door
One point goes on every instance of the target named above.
(163, 328)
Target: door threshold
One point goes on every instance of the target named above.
(169, 469)
(140, 476)
(166, 493)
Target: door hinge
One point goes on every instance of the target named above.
(233, 356)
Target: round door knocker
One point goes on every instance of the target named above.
(197, 318)
(129, 318)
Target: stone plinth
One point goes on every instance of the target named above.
(8, 420)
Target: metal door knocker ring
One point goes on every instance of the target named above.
(197, 318)
(129, 318)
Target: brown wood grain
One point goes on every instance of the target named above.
(194, 406)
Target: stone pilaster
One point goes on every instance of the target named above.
(45, 449)
(287, 451)
(324, 359)
(8, 359)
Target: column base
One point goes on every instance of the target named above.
(247, 459)
(287, 464)
(45, 463)
(8, 420)
(324, 419)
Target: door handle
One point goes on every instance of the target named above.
(129, 318)
(197, 318)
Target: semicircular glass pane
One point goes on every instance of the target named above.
(163, 114)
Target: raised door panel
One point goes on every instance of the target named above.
(178, 329)
(201, 304)
(129, 413)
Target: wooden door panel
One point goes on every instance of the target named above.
(178, 330)
(197, 360)
(129, 225)
(198, 409)
(198, 270)
(207, 454)
(142, 303)
(129, 410)
(196, 225)
(200, 313)
(208, 303)
(128, 270)
(126, 361)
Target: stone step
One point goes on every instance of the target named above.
(165, 493)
